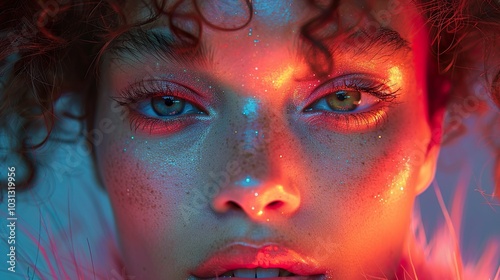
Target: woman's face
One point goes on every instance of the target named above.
(237, 156)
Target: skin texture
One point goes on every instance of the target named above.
(258, 168)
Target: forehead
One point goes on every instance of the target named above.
(294, 32)
(274, 13)
(347, 25)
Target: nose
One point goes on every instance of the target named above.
(259, 200)
(260, 188)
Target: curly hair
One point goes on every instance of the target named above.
(42, 42)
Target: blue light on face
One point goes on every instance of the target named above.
(276, 12)
(249, 182)
(250, 134)
(250, 108)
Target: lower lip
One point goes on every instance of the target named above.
(241, 256)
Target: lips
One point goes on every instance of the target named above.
(241, 260)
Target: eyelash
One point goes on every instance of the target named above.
(379, 89)
(340, 121)
(147, 89)
(351, 121)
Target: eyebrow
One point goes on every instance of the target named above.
(385, 40)
(138, 44)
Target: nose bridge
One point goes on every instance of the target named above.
(252, 136)
(259, 188)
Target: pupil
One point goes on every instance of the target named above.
(167, 105)
(169, 101)
(341, 96)
(344, 100)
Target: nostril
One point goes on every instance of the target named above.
(233, 205)
(275, 204)
(257, 202)
(224, 205)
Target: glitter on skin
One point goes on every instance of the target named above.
(345, 212)
(280, 78)
(250, 111)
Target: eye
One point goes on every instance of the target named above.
(166, 106)
(350, 103)
(344, 101)
(162, 107)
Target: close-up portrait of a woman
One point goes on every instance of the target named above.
(237, 139)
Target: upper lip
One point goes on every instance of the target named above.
(242, 255)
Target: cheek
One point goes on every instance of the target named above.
(134, 189)
(143, 205)
(361, 187)
(148, 183)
